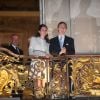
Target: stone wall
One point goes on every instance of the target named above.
(83, 19)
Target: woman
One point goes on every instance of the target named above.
(39, 45)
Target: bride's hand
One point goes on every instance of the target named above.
(48, 55)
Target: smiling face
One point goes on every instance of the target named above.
(43, 32)
(62, 28)
(15, 40)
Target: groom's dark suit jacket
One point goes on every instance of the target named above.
(54, 47)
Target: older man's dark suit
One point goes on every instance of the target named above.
(54, 47)
(11, 48)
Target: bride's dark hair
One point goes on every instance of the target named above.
(38, 34)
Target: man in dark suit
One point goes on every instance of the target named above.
(13, 46)
(62, 44)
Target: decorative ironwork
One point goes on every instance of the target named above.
(39, 73)
(58, 85)
(12, 74)
(86, 76)
(50, 77)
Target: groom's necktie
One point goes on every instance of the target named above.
(61, 41)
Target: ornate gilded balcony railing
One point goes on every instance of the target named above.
(13, 75)
(56, 77)
(86, 75)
